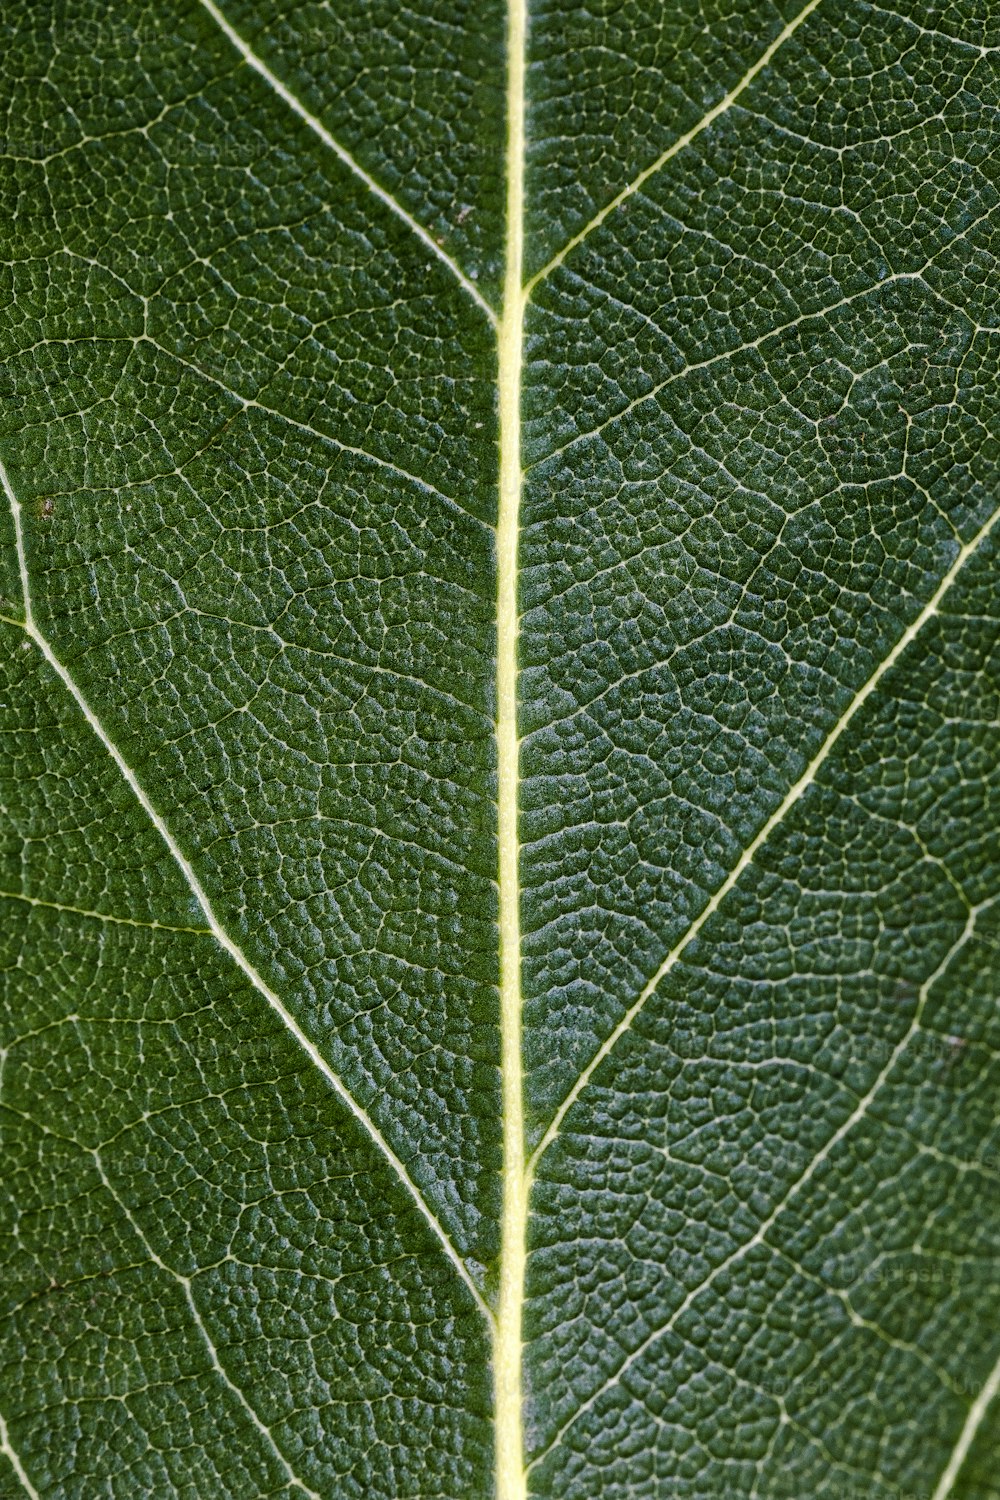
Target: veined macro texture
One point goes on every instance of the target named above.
(500, 792)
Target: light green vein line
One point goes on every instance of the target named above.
(972, 1424)
(220, 934)
(760, 1234)
(97, 916)
(789, 800)
(15, 1462)
(250, 403)
(319, 129)
(184, 1282)
(726, 102)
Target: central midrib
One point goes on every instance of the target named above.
(511, 1481)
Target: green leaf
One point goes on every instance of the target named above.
(501, 791)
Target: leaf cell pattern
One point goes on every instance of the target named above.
(501, 791)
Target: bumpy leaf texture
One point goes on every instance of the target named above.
(501, 776)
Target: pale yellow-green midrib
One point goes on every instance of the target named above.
(510, 1467)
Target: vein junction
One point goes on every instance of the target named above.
(518, 1168)
(319, 129)
(213, 923)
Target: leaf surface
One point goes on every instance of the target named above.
(501, 791)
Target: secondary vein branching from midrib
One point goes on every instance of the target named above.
(511, 1476)
(519, 1168)
(218, 931)
(791, 797)
(724, 104)
(332, 144)
(805, 1176)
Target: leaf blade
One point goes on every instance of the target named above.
(539, 849)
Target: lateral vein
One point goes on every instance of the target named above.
(789, 800)
(319, 129)
(96, 916)
(6, 1447)
(216, 928)
(185, 1284)
(250, 403)
(972, 1424)
(725, 103)
(805, 1176)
